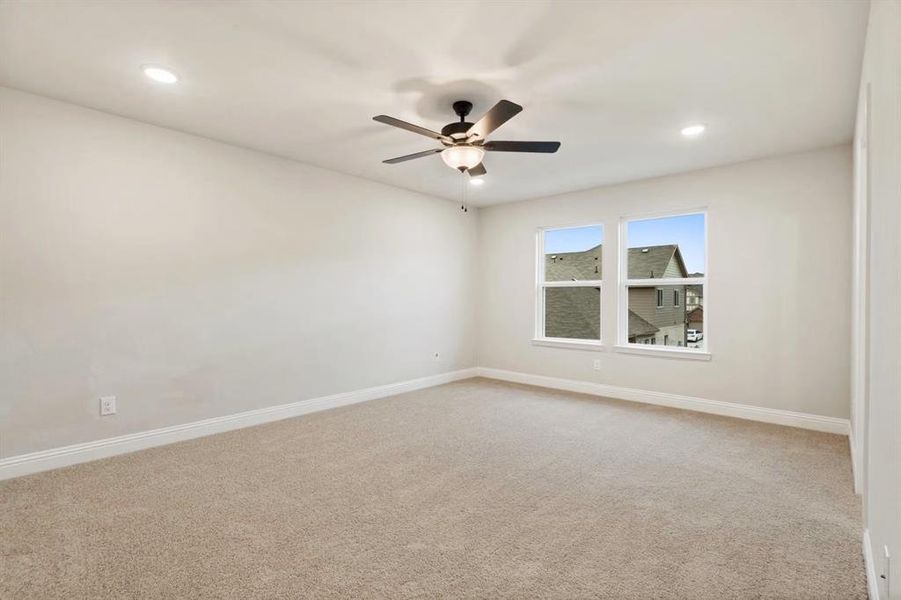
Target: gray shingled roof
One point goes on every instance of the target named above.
(646, 262)
(573, 312)
(573, 266)
(638, 326)
(650, 262)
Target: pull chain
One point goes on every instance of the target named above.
(463, 190)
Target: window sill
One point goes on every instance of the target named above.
(595, 346)
(664, 352)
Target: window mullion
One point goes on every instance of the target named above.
(661, 282)
(587, 283)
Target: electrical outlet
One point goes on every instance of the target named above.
(597, 364)
(107, 405)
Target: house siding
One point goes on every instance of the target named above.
(694, 296)
(673, 270)
(669, 318)
(643, 301)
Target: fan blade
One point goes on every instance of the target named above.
(549, 147)
(411, 127)
(477, 171)
(499, 114)
(398, 159)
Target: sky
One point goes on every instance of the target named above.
(685, 230)
(575, 239)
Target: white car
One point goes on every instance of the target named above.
(694, 335)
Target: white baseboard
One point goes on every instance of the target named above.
(55, 458)
(716, 407)
(872, 581)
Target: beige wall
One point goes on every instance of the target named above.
(779, 276)
(878, 421)
(194, 279)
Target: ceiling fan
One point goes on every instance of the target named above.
(464, 143)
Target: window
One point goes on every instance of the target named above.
(569, 284)
(663, 258)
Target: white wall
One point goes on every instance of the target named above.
(879, 142)
(194, 279)
(778, 293)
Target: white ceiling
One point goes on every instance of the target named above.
(613, 81)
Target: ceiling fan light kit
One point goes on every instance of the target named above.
(464, 143)
(462, 157)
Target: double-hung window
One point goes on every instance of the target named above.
(663, 260)
(569, 284)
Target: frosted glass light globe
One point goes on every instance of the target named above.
(462, 157)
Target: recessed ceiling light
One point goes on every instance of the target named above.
(694, 130)
(476, 181)
(159, 74)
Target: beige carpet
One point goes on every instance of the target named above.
(476, 489)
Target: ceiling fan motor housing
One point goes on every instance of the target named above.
(458, 130)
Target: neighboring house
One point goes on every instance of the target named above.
(656, 313)
(662, 307)
(694, 295)
(695, 319)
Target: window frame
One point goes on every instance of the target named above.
(541, 284)
(624, 283)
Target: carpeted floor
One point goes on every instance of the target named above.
(476, 489)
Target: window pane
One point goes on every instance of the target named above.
(573, 254)
(667, 247)
(694, 316)
(572, 312)
(655, 318)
